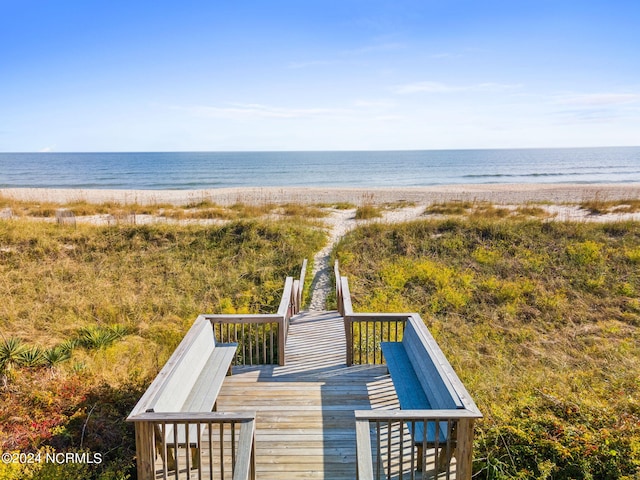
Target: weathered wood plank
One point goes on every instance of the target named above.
(305, 425)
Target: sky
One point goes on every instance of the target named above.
(137, 75)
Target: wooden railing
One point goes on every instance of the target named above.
(365, 331)
(261, 338)
(385, 442)
(219, 446)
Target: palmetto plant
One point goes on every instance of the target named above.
(56, 355)
(96, 337)
(10, 351)
(68, 345)
(31, 357)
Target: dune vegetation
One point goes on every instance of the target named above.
(541, 321)
(89, 314)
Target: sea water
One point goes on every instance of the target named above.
(199, 170)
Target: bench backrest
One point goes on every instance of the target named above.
(438, 389)
(183, 368)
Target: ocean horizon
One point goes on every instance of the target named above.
(394, 168)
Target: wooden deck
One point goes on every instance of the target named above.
(306, 417)
(305, 422)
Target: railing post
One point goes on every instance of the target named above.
(348, 330)
(364, 465)
(295, 297)
(145, 450)
(282, 339)
(464, 449)
(303, 273)
(336, 274)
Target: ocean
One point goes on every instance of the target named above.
(201, 170)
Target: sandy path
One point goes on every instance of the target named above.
(339, 223)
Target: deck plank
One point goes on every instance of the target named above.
(305, 427)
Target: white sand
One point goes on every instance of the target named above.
(495, 193)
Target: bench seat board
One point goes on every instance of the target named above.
(177, 383)
(204, 392)
(206, 388)
(409, 390)
(405, 380)
(439, 392)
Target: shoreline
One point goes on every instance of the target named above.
(494, 193)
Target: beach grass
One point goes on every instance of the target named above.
(368, 212)
(599, 206)
(200, 209)
(89, 314)
(541, 321)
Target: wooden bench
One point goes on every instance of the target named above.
(421, 384)
(190, 382)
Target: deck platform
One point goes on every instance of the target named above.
(305, 422)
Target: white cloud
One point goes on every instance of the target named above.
(438, 87)
(47, 149)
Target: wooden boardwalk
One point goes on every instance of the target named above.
(305, 422)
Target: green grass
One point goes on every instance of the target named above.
(342, 206)
(449, 208)
(397, 205)
(541, 321)
(367, 212)
(484, 210)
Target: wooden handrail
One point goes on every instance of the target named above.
(194, 417)
(246, 318)
(430, 415)
(285, 301)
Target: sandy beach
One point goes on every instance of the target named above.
(494, 193)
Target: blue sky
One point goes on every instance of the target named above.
(309, 75)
